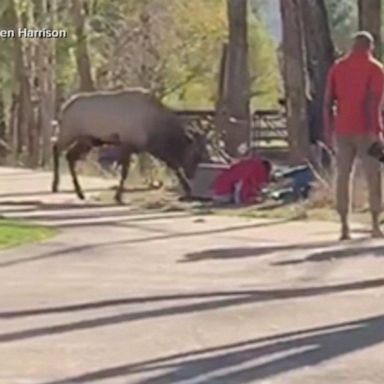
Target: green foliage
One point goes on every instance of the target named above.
(180, 58)
(66, 70)
(264, 67)
(343, 18)
(173, 47)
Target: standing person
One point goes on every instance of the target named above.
(355, 87)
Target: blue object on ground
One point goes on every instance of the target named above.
(108, 156)
(301, 178)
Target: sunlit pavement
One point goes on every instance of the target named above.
(126, 297)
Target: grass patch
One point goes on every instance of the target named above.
(295, 211)
(14, 233)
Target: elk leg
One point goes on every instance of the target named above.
(125, 163)
(75, 153)
(56, 168)
(184, 182)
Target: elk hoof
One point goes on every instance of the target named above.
(55, 186)
(345, 236)
(80, 195)
(185, 198)
(119, 200)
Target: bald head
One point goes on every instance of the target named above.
(363, 42)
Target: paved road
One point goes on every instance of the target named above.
(122, 297)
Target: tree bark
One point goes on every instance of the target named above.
(320, 56)
(222, 74)
(370, 20)
(23, 124)
(3, 131)
(82, 57)
(45, 16)
(237, 124)
(29, 99)
(295, 80)
(220, 108)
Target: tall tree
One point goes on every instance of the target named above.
(79, 14)
(45, 16)
(237, 92)
(22, 120)
(295, 79)
(370, 20)
(319, 55)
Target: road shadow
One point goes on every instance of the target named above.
(202, 302)
(26, 206)
(63, 215)
(334, 255)
(97, 217)
(245, 252)
(47, 192)
(161, 235)
(250, 360)
(66, 191)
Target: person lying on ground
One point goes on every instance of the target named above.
(242, 182)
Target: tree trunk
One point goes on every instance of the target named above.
(13, 134)
(295, 80)
(45, 16)
(370, 20)
(82, 57)
(222, 74)
(24, 124)
(145, 71)
(320, 57)
(237, 124)
(220, 108)
(29, 54)
(3, 131)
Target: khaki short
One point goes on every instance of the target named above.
(349, 147)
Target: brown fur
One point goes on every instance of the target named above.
(132, 119)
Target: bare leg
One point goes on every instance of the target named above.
(372, 169)
(74, 154)
(346, 153)
(125, 163)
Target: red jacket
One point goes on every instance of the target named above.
(252, 173)
(349, 81)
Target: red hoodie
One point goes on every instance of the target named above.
(252, 173)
